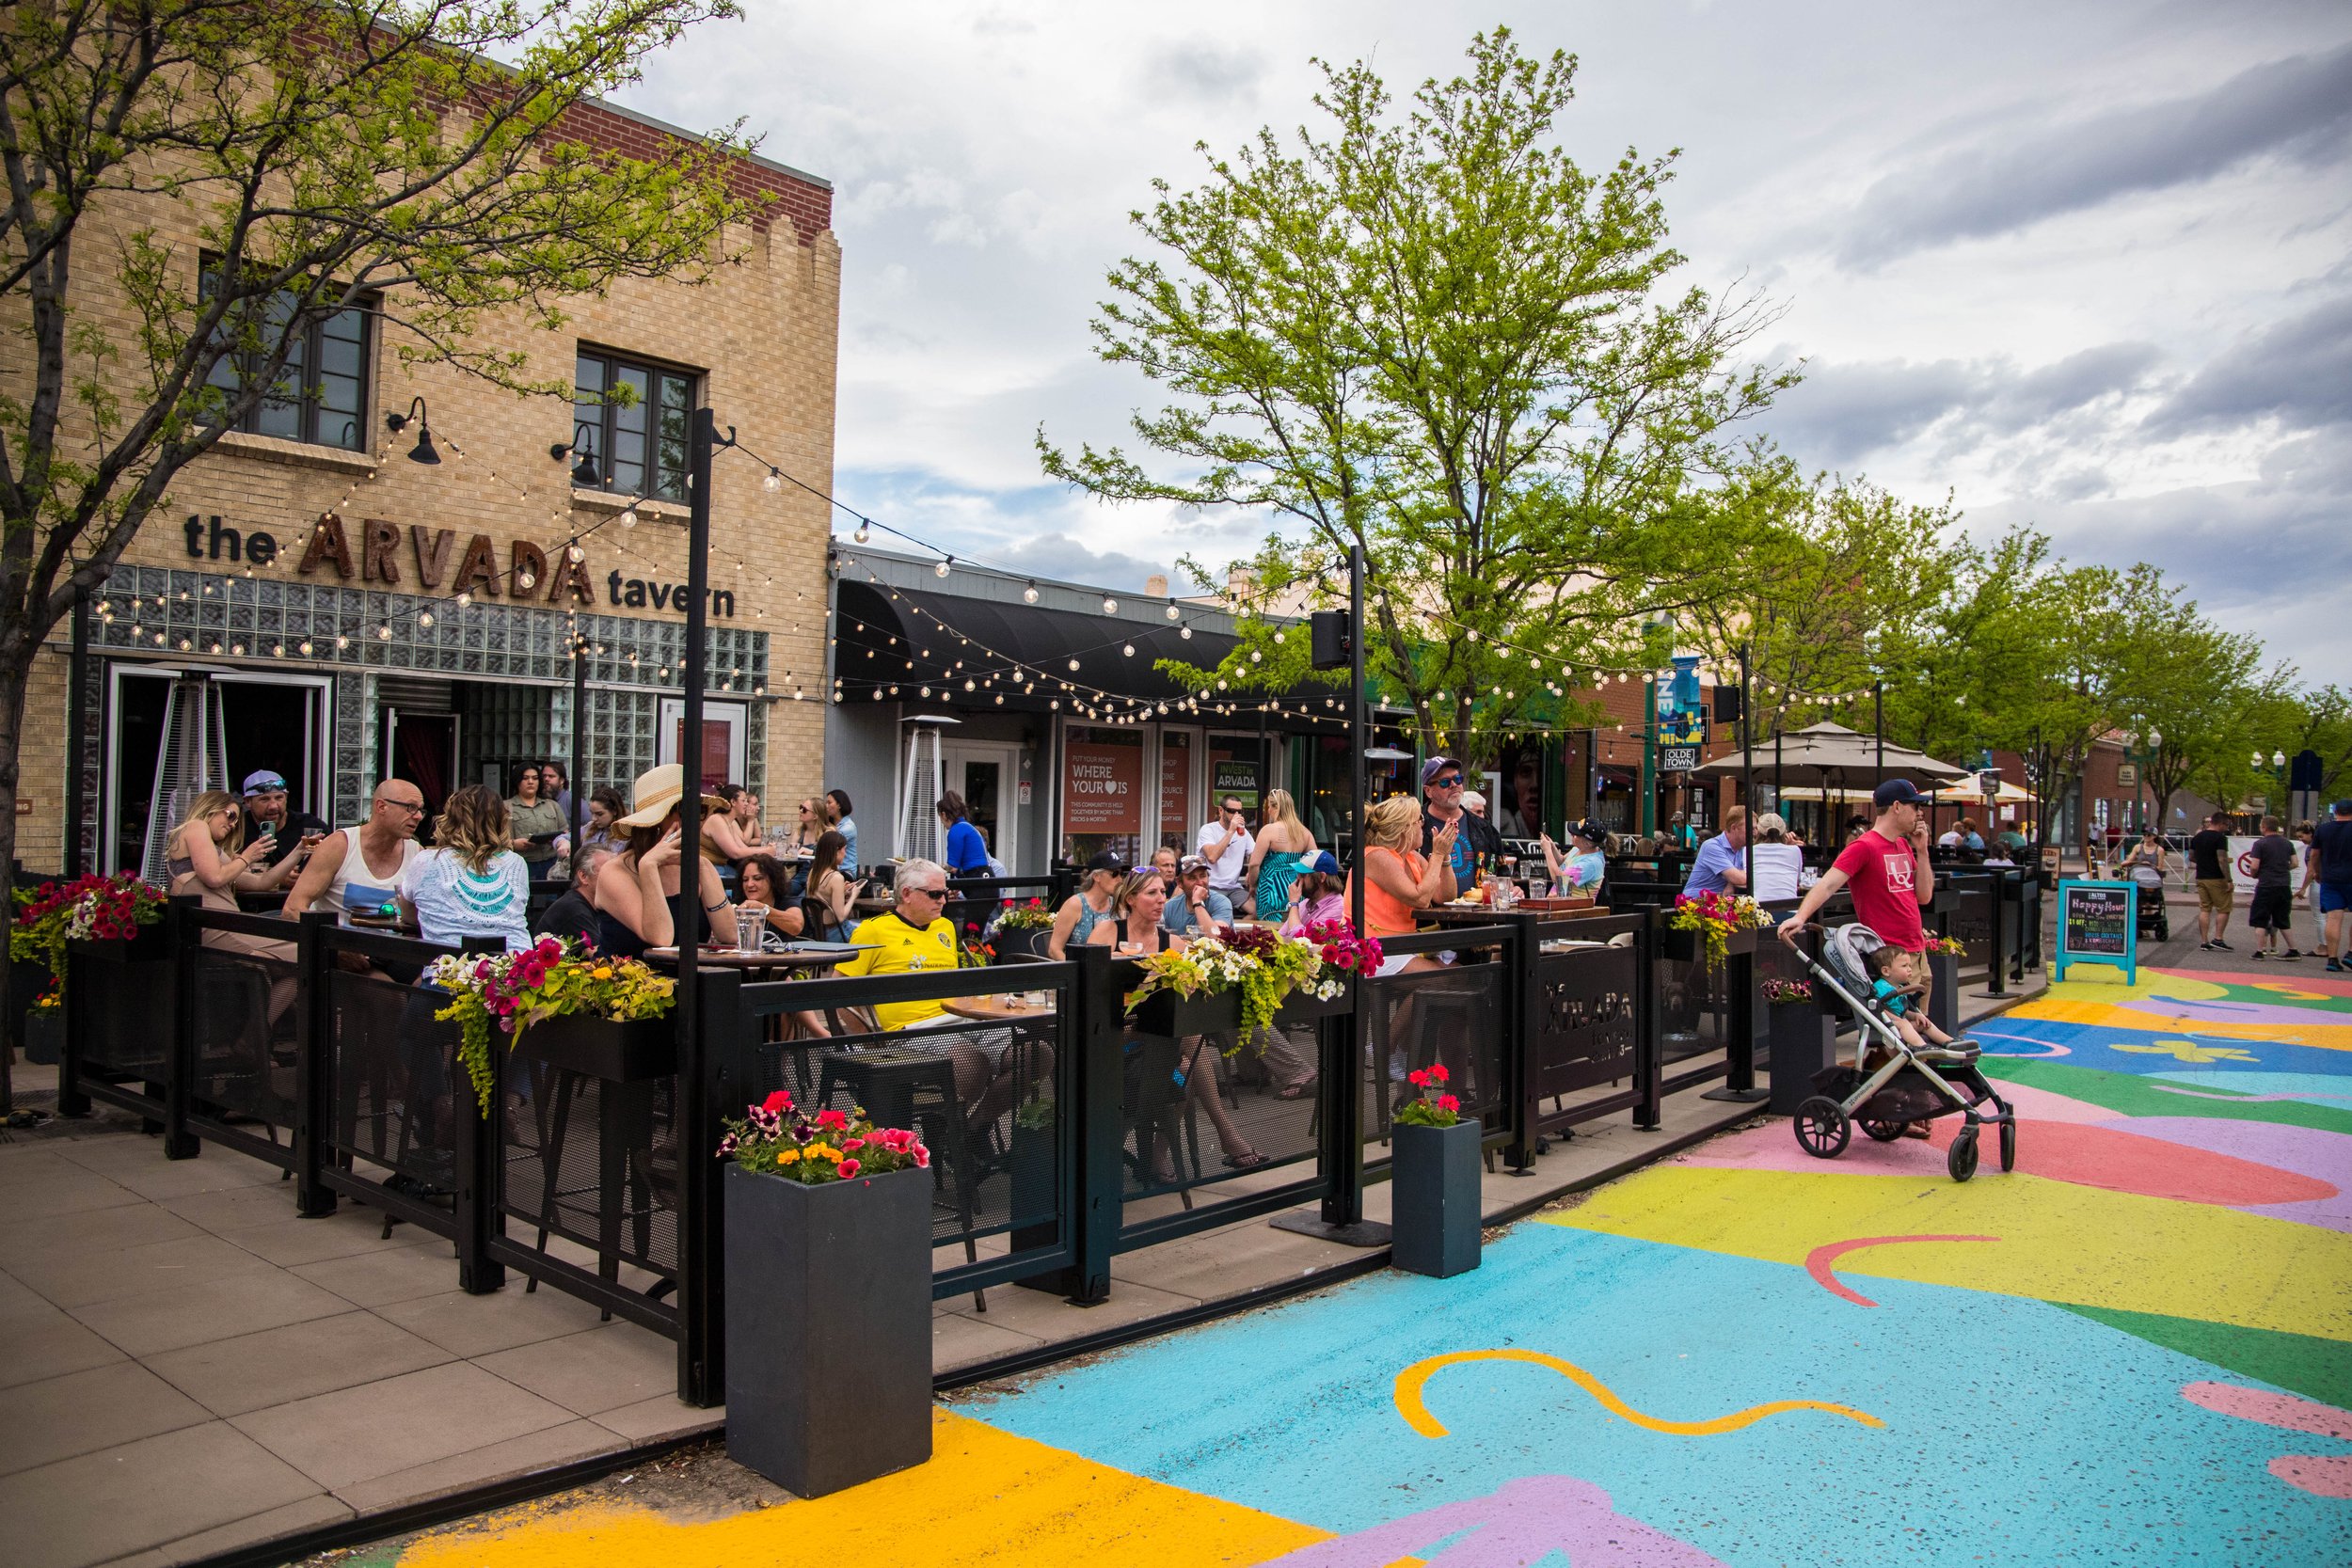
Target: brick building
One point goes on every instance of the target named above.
(294, 604)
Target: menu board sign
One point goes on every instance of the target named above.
(1103, 788)
(2099, 923)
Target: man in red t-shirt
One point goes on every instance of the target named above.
(1888, 870)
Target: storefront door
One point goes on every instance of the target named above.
(421, 749)
(173, 732)
(726, 728)
(984, 775)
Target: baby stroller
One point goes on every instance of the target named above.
(2155, 925)
(1909, 1086)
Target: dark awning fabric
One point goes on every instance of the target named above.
(928, 628)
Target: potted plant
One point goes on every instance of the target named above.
(1713, 927)
(828, 1226)
(1944, 981)
(1434, 1204)
(1021, 929)
(117, 917)
(1802, 1040)
(1344, 956)
(1235, 982)
(44, 1028)
(577, 1009)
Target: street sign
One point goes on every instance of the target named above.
(2099, 923)
(1677, 759)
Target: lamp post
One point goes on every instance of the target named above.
(2139, 750)
(2278, 771)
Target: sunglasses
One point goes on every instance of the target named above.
(930, 891)
(1451, 781)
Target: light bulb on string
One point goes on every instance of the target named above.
(945, 561)
(774, 482)
(1028, 594)
(1174, 613)
(1110, 607)
(863, 533)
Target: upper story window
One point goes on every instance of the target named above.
(637, 416)
(322, 395)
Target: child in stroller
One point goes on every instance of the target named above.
(1899, 1077)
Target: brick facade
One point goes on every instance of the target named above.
(762, 332)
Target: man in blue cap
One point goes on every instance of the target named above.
(283, 836)
(1441, 803)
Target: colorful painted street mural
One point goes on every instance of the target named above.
(2136, 1348)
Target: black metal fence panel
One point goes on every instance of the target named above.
(393, 1076)
(242, 1062)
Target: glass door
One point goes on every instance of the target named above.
(984, 775)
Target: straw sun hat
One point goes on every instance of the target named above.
(656, 795)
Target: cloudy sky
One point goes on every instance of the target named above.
(2084, 266)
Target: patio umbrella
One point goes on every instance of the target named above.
(1832, 755)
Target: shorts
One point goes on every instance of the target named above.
(2214, 895)
(2334, 897)
(2273, 908)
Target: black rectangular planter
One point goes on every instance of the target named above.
(45, 1035)
(828, 1327)
(1944, 991)
(1166, 1014)
(1434, 1203)
(630, 1053)
(1687, 947)
(1302, 1005)
(1805, 1042)
(152, 945)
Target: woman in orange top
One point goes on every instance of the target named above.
(1400, 879)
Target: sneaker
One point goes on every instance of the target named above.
(2222, 946)
(2292, 953)
(2259, 953)
(2204, 947)
(2334, 968)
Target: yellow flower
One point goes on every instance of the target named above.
(824, 1152)
(788, 1157)
(602, 971)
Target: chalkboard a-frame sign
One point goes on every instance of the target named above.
(2099, 923)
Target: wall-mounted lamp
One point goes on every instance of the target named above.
(423, 451)
(585, 472)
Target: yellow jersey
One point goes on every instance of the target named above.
(899, 948)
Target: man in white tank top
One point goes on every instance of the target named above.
(359, 867)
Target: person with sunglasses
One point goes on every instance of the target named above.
(914, 934)
(359, 868)
(1441, 791)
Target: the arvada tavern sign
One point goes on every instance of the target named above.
(430, 561)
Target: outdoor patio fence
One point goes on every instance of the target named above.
(1063, 1134)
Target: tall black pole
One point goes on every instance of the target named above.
(1747, 774)
(1358, 739)
(1878, 727)
(580, 729)
(702, 1285)
(77, 718)
(1777, 784)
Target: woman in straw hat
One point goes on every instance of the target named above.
(639, 900)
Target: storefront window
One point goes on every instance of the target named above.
(638, 416)
(319, 397)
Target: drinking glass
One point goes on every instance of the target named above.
(751, 927)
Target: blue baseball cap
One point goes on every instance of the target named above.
(263, 782)
(1325, 863)
(1896, 792)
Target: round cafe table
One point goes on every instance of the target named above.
(755, 963)
(995, 1010)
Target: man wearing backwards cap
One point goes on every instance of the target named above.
(1887, 869)
(265, 806)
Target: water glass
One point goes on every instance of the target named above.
(751, 927)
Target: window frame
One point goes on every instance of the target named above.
(367, 308)
(608, 412)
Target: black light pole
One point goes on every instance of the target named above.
(1878, 727)
(1747, 773)
(580, 729)
(1358, 736)
(76, 717)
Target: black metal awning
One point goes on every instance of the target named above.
(911, 638)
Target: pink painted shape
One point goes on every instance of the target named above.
(1819, 1262)
(2125, 1162)
(2241, 1098)
(1771, 1147)
(2042, 1105)
(2287, 974)
(2308, 1151)
(2322, 1475)
(2288, 1412)
(1520, 1522)
(2278, 1015)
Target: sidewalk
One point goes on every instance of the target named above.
(264, 1374)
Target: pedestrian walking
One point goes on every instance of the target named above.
(2329, 864)
(2209, 859)
(2273, 913)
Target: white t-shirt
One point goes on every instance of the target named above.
(355, 887)
(453, 903)
(1224, 870)
(1776, 867)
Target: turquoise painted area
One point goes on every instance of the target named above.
(2017, 1432)
(2094, 1045)
(2320, 1089)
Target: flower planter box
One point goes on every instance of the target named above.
(45, 1035)
(150, 946)
(627, 1053)
(1164, 1013)
(1032, 943)
(828, 1327)
(1302, 1005)
(1803, 1042)
(1689, 947)
(1944, 991)
(1434, 1206)
(1035, 1194)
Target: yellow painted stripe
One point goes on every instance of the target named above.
(2324, 1036)
(1416, 1413)
(986, 1498)
(2059, 1242)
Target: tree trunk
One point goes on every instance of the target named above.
(13, 676)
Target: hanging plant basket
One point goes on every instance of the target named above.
(1302, 1005)
(1167, 1014)
(1691, 946)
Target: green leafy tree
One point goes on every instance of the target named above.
(1438, 339)
(329, 153)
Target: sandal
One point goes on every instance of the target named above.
(1297, 1091)
(1914, 1130)
(1250, 1161)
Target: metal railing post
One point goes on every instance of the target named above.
(314, 1074)
(1096, 1188)
(1526, 1000)
(479, 1155)
(72, 1101)
(179, 944)
(1996, 983)
(1341, 1043)
(714, 1081)
(1648, 1059)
